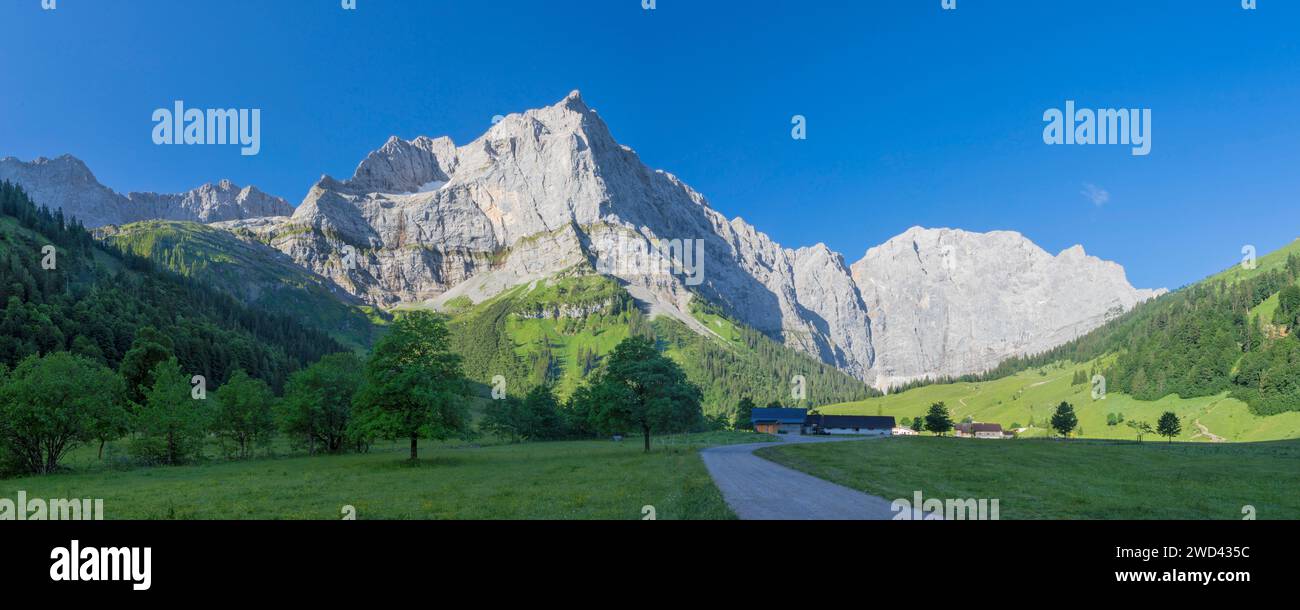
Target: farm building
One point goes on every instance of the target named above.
(872, 425)
(978, 430)
(778, 420)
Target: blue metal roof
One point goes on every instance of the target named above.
(868, 422)
(780, 416)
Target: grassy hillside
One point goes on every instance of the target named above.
(1028, 399)
(558, 330)
(1273, 261)
(453, 480)
(1052, 479)
(256, 274)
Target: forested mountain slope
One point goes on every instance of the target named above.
(92, 299)
(258, 275)
(558, 330)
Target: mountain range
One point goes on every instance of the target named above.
(65, 182)
(550, 192)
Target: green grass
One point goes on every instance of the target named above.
(452, 480)
(1055, 479)
(724, 328)
(1266, 309)
(565, 343)
(1272, 261)
(1034, 394)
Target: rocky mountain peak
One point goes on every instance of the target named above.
(66, 182)
(405, 166)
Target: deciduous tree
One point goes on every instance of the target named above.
(173, 425)
(413, 383)
(50, 404)
(1141, 428)
(149, 349)
(1169, 426)
(317, 404)
(744, 414)
(644, 390)
(244, 413)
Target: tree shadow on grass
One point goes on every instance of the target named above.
(439, 461)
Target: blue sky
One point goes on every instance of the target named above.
(916, 115)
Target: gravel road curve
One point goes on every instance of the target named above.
(758, 489)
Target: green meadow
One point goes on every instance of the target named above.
(1067, 479)
(452, 480)
(1029, 398)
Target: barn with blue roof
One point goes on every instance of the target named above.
(779, 420)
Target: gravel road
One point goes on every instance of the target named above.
(758, 489)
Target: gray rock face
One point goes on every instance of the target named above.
(66, 182)
(949, 302)
(210, 203)
(548, 190)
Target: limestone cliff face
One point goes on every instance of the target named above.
(949, 302)
(66, 183)
(210, 203)
(549, 190)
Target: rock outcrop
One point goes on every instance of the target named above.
(946, 302)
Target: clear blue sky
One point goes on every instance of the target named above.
(916, 116)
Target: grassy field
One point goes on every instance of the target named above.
(452, 480)
(1055, 479)
(1030, 397)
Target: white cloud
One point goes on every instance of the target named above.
(1097, 195)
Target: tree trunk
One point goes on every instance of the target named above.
(415, 450)
(101, 449)
(646, 430)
